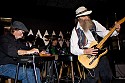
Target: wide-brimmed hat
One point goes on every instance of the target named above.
(82, 11)
(19, 25)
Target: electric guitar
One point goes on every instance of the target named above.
(90, 61)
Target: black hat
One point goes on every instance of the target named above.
(19, 25)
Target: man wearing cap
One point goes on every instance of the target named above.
(83, 34)
(10, 49)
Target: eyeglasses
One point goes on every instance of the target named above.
(21, 31)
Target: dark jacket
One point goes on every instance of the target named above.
(8, 49)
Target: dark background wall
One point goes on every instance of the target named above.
(58, 15)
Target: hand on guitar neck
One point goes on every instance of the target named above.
(118, 27)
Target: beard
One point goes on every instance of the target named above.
(86, 24)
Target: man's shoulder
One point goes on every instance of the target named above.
(94, 20)
(6, 37)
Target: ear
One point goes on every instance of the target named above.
(79, 19)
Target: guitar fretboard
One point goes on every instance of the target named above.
(109, 34)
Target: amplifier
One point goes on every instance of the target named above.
(118, 81)
(120, 70)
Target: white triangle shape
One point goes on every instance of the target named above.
(38, 34)
(61, 41)
(44, 39)
(53, 33)
(30, 32)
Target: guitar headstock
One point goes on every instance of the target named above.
(121, 21)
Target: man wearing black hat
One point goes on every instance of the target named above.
(10, 49)
(82, 44)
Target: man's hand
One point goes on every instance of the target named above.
(44, 53)
(118, 27)
(24, 52)
(33, 51)
(91, 51)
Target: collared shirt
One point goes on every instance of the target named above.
(100, 30)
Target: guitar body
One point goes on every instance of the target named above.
(90, 61)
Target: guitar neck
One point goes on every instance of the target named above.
(109, 34)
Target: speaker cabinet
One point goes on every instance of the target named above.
(120, 70)
(118, 81)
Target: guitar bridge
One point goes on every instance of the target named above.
(93, 60)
